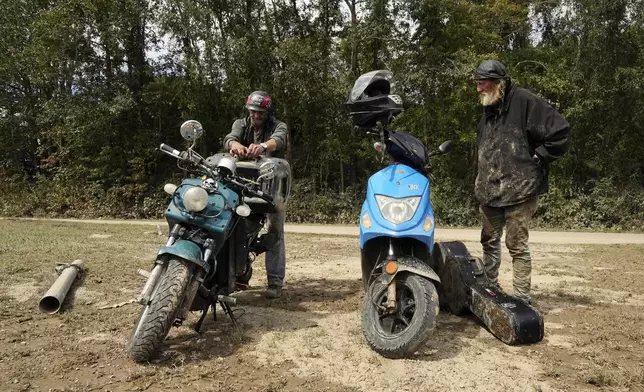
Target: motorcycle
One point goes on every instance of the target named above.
(216, 226)
(401, 301)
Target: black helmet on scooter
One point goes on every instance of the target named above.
(369, 101)
(405, 148)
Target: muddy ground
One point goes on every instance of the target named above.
(592, 298)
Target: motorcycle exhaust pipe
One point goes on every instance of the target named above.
(227, 300)
(52, 300)
(221, 298)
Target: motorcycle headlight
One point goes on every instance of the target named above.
(397, 211)
(195, 199)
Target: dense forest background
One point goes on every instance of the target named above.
(90, 88)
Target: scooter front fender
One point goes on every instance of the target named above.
(413, 265)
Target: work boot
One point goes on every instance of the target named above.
(273, 291)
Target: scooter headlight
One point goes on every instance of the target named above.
(397, 211)
(195, 199)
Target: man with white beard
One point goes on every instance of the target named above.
(518, 137)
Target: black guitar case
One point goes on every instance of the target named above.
(465, 287)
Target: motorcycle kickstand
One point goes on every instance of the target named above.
(229, 312)
(204, 313)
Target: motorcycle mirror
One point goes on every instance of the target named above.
(445, 147)
(268, 170)
(191, 130)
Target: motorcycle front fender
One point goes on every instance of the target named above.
(186, 250)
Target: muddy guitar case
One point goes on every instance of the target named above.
(464, 286)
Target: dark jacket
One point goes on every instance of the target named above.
(242, 132)
(508, 135)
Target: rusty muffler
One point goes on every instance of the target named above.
(52, 300)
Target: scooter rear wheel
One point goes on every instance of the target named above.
(400, 334)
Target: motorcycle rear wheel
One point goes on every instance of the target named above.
(157, 317)
(400, 334)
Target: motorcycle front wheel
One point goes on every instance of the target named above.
(401, 333)
(158, 315)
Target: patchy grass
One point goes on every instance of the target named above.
(30, 250)
(579, 299)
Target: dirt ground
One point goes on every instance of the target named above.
(592, 298)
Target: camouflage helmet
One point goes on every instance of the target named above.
(259, 101)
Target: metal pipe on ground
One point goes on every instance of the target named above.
(52, 300)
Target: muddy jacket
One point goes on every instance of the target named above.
(242, 132)
(508, 136)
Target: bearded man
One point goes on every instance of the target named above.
(518, 137)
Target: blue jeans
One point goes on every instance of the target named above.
(276, 256)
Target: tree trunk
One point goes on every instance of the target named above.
(354, 42)
(341, 176)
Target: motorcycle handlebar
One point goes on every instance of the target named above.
(264, 196)
(196, 160)
(167, 149)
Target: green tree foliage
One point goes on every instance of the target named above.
(90, 88)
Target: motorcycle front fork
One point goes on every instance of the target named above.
(159, 266)
(189, 296)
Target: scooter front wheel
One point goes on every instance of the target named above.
(400, 333)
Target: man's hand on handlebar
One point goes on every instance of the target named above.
(238, 149)
(243, 152)
(255, 150)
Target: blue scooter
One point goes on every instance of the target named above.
(401, 302)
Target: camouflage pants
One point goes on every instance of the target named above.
(516, 219)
